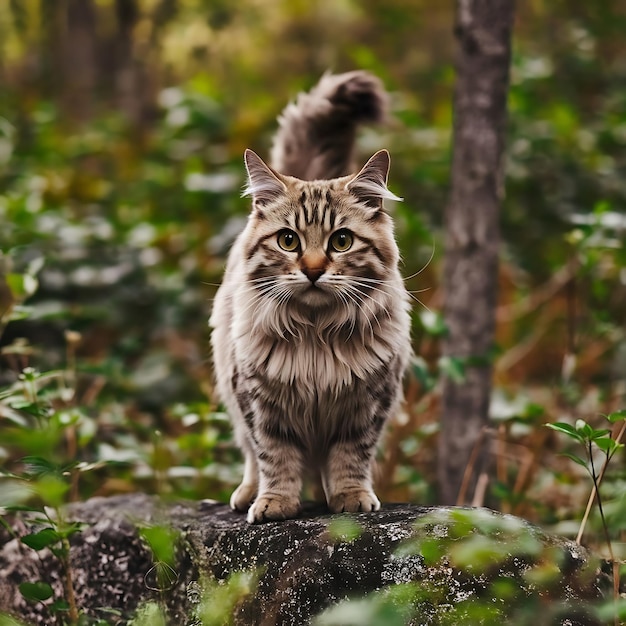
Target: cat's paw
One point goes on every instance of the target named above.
(242, 497)
(268, 507)
(354, 501)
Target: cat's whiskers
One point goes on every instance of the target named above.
(351, 317)
(358, 306)
(353, 282)
(260, 297)
(432, 256)
(400, 290)
(365, 301)
(262, 288)
(239, 282)
(352, 309)
(358, 283)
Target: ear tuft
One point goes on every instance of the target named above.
(264, 183)
(370, 184)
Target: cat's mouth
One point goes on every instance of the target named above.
(313, 294)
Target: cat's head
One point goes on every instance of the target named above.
(323, 243)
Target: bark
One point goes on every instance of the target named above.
(80, 63)
(483, 32)
(131, 83)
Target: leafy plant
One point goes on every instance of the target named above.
(593, 439)
(42, 484)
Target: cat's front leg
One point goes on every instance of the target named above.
(280, 481)
(244, 495)
(347, 479)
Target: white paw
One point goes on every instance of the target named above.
(353, 501)
(242, 497)
(269, 507)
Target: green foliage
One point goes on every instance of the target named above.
(506, 576)
(149, 614)
(36, 592)
(390, 607)
(344, 529)
(7, 620)
(219, 601)
(162, 541)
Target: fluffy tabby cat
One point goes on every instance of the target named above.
(310, 325)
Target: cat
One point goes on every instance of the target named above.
(311, 325)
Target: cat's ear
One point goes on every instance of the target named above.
(264, 183)
(370, 184)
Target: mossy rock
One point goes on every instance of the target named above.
(405, 564)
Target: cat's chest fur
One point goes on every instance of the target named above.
(317, 363)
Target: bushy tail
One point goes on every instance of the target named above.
(317, 132)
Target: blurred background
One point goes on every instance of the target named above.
(122, 128)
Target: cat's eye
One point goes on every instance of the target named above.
(288, 240)
(341, 240)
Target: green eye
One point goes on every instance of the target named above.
(288, 240)
(341, 240)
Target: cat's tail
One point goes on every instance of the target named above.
(317, 132)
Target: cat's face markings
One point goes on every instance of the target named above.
(319, 242)
(327, 261)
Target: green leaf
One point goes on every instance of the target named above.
(610, 609)
(478, 553)
(162, 541)
(14, 493)
(36, 592)
(453, 368)
(431, 549)
(616, 416)
(38, 466)
(608, 445)
(51, 490)
(344, 529)
(576, 459)
(71, 529)
(21, 285)
(433, 323)
(149, 614)
(7, 620)
(600, 434)
(566, 429)
(420, 370)
(42, 539)
(59, 605)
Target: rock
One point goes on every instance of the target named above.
(300, 567)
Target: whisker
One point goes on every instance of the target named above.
(243, 282)
(362, 300)
(432, 256)
(400, 290)
(360, 308)
(356, 283)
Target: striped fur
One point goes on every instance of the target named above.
(310, 342)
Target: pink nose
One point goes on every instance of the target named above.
(312, 273)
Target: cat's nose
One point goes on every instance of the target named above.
(313, 264)
(312, 273)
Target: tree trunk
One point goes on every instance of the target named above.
(483, 32)
(129, 92)
(80, 71)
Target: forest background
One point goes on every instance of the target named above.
(122, 128)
